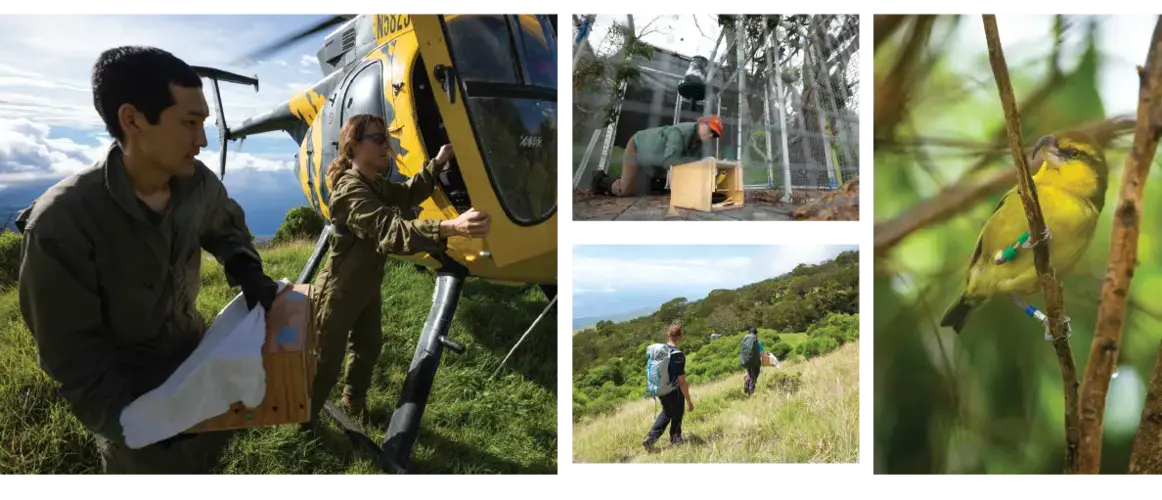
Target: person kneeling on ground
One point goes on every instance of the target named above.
(111, 259)
(651, 152)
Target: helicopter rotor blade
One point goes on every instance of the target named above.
(294, 37)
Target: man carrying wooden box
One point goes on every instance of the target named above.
(651, 152)
(109, 275)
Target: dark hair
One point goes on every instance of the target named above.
(754, 330)
(674, 331)
(349, 136)
(139, 76)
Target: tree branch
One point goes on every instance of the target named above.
(1147, 453)
(892, 92)
(884, 26)
(1054, 302)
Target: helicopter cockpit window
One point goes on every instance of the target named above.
(485, 51)
(508, 67)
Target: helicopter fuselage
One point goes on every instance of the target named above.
(425, 106)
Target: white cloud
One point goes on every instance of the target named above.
(308, 60)
(608, 273)
(27, 153)
(782, 259)
(45, 76)
(597, 275)
(48, 126)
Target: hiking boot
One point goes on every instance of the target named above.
(675, 441)
(354, 407)
(601, 183)
(648, 443)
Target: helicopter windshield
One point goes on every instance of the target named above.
(508, 65)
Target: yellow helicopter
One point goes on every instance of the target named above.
(487, 84)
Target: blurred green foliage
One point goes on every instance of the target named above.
(990, 400)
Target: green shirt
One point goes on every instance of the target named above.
(668, 145)
(109, 295)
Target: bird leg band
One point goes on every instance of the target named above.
(1032, 312)
(1010, 253)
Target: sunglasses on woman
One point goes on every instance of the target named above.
(376, 138)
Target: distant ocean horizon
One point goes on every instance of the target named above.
(265, 209)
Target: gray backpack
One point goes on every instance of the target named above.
(658, 380)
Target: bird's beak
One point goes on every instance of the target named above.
(1045, 152)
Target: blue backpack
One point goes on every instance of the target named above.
(658, 379)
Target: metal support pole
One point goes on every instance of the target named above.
(767, 123)
(316, 257)
(718, 142)
(822, 37)
(785, 153)
(850, 141)
(611, 131)
(739, 36)
(585, 159)
(807, 60)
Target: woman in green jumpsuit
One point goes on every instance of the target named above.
(365, 213)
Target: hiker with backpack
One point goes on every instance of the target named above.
(750, 357)
(666, 381)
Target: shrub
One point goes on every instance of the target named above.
(300, 223)
(818, 346)
(9, 258)
(788, 383)
(781, 350)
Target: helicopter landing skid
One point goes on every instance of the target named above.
(395, 454)
(405, 422)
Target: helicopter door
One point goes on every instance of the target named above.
(364, 94)
(494, 79)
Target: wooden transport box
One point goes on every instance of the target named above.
(693, 185)
(288, 358)
(767, 361)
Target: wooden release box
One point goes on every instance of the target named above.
(288, 358)
(693, 185)
(766, 357)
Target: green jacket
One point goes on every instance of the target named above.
(109, 288)
(668, 145)
(369, 227)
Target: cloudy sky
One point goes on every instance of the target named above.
(49, 128)
(611, 279)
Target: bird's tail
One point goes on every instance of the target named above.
(957, 314)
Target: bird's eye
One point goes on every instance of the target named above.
(1073, 153)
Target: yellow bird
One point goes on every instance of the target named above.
(1071, 186)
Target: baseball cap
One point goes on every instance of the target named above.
(715, 124)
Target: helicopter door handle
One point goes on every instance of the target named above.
(446, 75)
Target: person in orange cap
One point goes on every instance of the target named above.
(651, 152)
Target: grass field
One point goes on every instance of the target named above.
(806, 412)
(472, 424)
